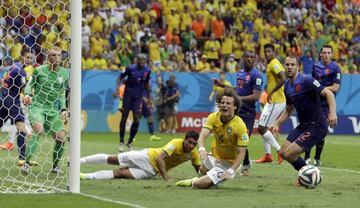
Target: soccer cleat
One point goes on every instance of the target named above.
(83, 176)
(130, 146)
(7, 146)
(25, 169)
(121, 147)
(279, 158)
(173, 131)
(56, 170)
(31, 163)
(317, 163)
(154, 138)
(186, 183)
(308, 161)
(267, 158)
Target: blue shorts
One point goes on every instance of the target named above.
(308, 137)
(146, 109)
(249, 121)
(132, 103)
(12, 112)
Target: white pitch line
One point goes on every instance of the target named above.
(111, 200)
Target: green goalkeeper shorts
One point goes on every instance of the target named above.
(51, 120)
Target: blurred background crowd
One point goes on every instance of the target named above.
(186, 35)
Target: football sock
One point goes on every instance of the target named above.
(21, 145)
(12, 133)
(319, 148)
(246, 158)
(151, 128)
(57, 153)
(269, 137)
(122, 128)
(299, 163)
(102, 174)
(133, 130)
(94, 159)
(267, 147)
(307, 155)
(32, 144)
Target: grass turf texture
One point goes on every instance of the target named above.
(269, 185)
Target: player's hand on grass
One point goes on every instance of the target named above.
(332, 119)
(27, 100)
(167, 178)
(226, 176)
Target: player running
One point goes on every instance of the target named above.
(302, 93)
(328, 73)
(138, 76)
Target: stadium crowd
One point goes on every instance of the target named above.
(211, 35)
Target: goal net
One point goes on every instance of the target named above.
(34, 54)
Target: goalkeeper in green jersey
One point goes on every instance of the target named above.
(45, 96)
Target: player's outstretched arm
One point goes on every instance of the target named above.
(238, 160)
(330, 98)
(160, 161)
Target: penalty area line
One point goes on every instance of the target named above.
(111, 200)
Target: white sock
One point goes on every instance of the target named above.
(12, 133)
(94, 159)
(267, 147)
(102, 174)
(269, 137)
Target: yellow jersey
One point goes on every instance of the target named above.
(176, 154)
(272, 70)
(228, 136)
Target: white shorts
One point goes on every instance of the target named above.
(216, 169)
(138, 163)
(270, 113)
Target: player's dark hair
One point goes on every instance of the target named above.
(326, 46)
(192, 134)
(230, 92)
(25, 50)
(269, 45)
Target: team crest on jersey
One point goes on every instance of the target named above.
(245, 137)
(171, 147)
(229, 130)
(298, 88)
(258, 81)
(327, 71)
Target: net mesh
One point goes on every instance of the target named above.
(37, 26)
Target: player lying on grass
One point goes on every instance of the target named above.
(303, 94)
(147, 163)
(228, 148)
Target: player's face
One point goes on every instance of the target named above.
(189, 144)
(29, 59)
(141, 62)
(227, 107)
(269, 54)
(55, 57)
(291, 67)
(249, 59)
(326, 55)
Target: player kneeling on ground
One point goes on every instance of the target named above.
(228, 148)
(302, 94)
(147, 163)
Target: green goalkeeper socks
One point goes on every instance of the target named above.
(58, 152)
(32, 145)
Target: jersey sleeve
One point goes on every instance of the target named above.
(62, 95)
(242, 135)
(125, 73)
(258, 82)
(277, 67)
(337, 75)
(313, 85)
(195, 157)
(171, 147)
(210, 121)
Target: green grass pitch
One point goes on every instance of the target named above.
(269, 185)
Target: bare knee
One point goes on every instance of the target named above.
(38, 128)
(113, 160)
(123, 173)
